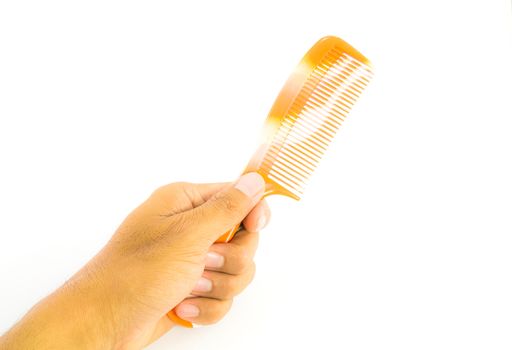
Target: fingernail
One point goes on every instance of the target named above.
(187, 310)
(214, 260)
(252, 185)
(262, 221)
(203, 285)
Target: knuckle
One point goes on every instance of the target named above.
(159, 191)
(245, 264)
(229, 288)
(241, 259)
(246, 278)
(232, 287)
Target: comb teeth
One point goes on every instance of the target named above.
(312, 120)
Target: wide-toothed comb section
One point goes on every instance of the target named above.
(313, 118)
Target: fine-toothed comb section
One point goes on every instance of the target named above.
(330, 88)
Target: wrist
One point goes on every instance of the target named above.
(72, 317)
(88, 304)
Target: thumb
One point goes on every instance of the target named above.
(228, 207)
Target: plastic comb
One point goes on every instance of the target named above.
(304, 118)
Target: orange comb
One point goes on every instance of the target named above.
(304, 118)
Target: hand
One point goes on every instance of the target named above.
(162, 256)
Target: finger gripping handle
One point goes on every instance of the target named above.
(225, 238)
(228, 236)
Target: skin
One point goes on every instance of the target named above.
(157, 260)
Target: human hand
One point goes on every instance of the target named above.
(161, 257)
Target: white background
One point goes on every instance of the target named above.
(404, 237)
